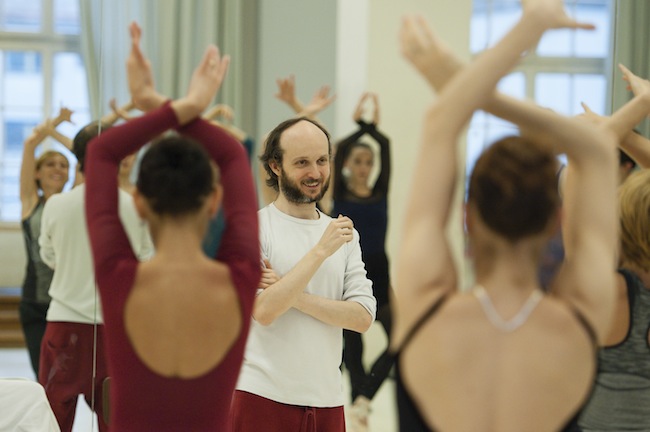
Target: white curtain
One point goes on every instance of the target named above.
(632, 27)
(175, 35)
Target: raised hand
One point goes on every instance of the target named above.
(287, 92)
(427, 52)
(140, 75)
(207, 78)
(65, 114)
(48, 128)
(552, 14)
(358, 111)
(591, 116)
(338, 232)
(375, 112)
(637, 85)
(319, 102)
(120, 112)
(221, 110)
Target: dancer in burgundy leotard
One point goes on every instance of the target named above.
(176, 326)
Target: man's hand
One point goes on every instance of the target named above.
(269, 277)
(338, 232)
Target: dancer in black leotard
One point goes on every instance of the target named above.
(367, 206)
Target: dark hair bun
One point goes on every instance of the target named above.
(514, 187)
(175, 176)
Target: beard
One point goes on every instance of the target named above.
(292, 192)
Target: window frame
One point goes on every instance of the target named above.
(48, 44)
(533, 64)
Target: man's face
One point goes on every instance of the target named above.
(304, 175)
(294, 190)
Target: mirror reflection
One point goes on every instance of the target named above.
(62, 66)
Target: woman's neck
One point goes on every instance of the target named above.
(502, 267)
(358, 188)
(48, 192)
(177, 240)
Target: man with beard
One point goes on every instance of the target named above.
(313, 285)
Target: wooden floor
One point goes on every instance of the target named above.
(11, 334)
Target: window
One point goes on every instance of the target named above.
(41, 69)
(566, 68)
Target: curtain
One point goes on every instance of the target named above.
(104, 46)
(632, 33)
(175, 35)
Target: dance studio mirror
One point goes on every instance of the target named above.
(176, 32)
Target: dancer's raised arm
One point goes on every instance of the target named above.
(634, 144)
(435, 175)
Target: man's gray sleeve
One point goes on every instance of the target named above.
(356, 285)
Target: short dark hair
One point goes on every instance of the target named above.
(514, 187)
(273, 151)
(83, 137)
(175, 176)
(357, 145)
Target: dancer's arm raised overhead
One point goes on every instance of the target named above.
(118, 112)
(590, 222)
(383, 179)
(435, 174)
(287, 94)
(635, 145)
(344, 146)
(28, 186)
(48, 127)
(438, 65)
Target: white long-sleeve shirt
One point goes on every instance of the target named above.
(296, 359)
(66, 248)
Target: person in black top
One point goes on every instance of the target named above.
(367, 205)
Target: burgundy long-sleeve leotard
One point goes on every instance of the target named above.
(141, 399)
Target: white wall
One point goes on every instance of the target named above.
(404, 95)
(296, 37)
(321, 43)
(352, 53)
